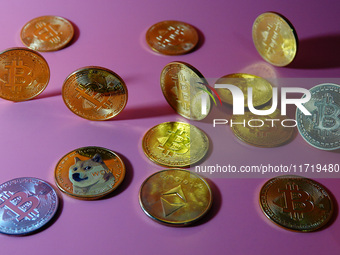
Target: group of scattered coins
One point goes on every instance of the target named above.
(173, 196)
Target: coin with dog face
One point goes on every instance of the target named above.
(89, 172)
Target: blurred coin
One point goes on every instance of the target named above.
(95, 93)
(172, 37)
(322, 128)
(275, 39)
(261, 88)
(24, 74)
(183, 88)
(175, 144)
(89, 172)
(175, 197)
(47, 33)
(296, 203)
(26, 204)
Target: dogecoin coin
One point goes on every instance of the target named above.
(95, 93)
(261, 88)
(322, 128)
(24, 74)
(89, 172)
(183, 87)
(275, 38)
(175, 144)
(172, 37)
(47, 33)
(175, 197)
(296, 203)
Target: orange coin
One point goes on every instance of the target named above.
(95, 93)
(24, 74)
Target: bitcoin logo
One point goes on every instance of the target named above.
(173, 200)
(178, 142)
(92, 99)
(19, 76)
(171, 37)
(46, 32)
(20, 204)
(296, 202)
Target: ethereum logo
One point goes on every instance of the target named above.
(173, 200)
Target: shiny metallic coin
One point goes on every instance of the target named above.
(175, 144)
(261, 88)
(89, 172)
(26, 205)
(47, 33)
(296, 203)
(172, 37)
(182, 87)
(262, 131)
(175, 197)
(322, 128)
(24, 74)
(275, 39)
(95, 93)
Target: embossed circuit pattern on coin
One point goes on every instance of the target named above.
(95, 93)
(24, 74)
(26, 204)
(175, 197)
(47, 33)
(89, 172)
(261, 88)
(182, 87)
(322, 128)
(175, 144)
(275, 39)
(296, 203)
(262, 131)
(172, 37)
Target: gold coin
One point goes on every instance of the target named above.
(275, 39)
(175, 144)
(296, 203)
(262, 89)
(262, 131)
(89, 172)
(182, 87)
(47, 33)
(175, 197)
(172, 37)
(95, 93)
(24, 74)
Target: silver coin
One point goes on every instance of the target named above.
(322, 128)
(26, 204)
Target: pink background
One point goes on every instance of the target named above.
(34, 135)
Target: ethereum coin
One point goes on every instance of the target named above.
(322, 128)
(175, 144)
(275, 39)
(172, 37)
(296, 203)
(175, 197)
(26, 205)
(95, 93)
(47, 33)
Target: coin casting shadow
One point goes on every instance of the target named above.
(144, 112)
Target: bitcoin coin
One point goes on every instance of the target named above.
(47, 33)
(183, 88)
(275, 38)
(26, 205)
(95, 93)
(175, 197)
(89, 172)
(296, 203)
(261, 88)
(172, 37)
(262, 131)
(24, 74)
(175, 144)
(322, 128)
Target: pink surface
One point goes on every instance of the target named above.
(35, 134)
